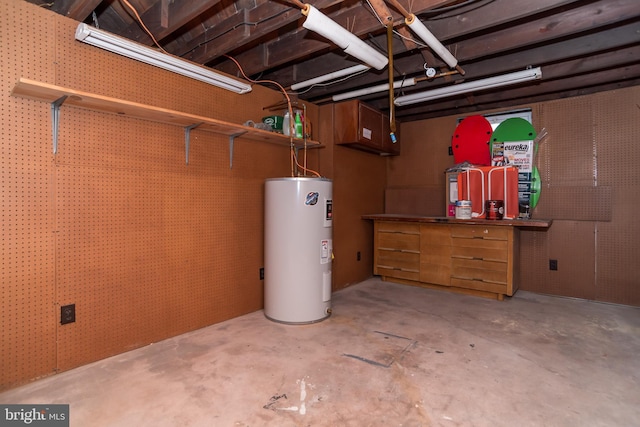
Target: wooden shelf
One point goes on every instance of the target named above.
(56, 95)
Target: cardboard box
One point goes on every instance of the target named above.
(451, 191)
(520, 155)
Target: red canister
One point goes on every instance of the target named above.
(495, 209)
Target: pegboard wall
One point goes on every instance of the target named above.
(589, 182)
(145, 246)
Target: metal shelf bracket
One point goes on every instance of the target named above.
(187, 140)
(231, 140)
(55, 120)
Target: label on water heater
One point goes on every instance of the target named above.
(324, 251)
(328, 212)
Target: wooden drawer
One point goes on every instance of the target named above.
(399, 241)
(398, 259)
(478, 269)
(397, 227)
(399, 274)
(480, 232)
(490, 250)
(399, 264)
(480, 285)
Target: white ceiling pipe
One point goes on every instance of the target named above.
(320, 23)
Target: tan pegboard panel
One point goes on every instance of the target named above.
(616, 130)
(108, 140)
(572, 244)
(28, 314)
(534, 262)
(26, 50)
(424, 153)
(617, 276)
(566, 157)
(617, 127)
(146, 246)
(145, 255)
(575, 203)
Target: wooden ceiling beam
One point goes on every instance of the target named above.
(474, 21)
(281, 50)
(526, 94)
(75, 9)
(574, 48)
(177, 14)
(566, 24)
(462, 111)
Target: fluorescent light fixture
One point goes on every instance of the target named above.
(142, 53)
(457, 89)
(320, 23)
(374, 89)
(330, 76)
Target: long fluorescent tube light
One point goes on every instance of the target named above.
(330, 76)
(374, 89)
(320, 23)
(142, 53)
(457, 89)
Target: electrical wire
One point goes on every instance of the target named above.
(251, 24)
(282, 89)
(340, 80)
(294, 158)
(144, 27)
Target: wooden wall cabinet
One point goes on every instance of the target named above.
(474, 259)
(360, 126)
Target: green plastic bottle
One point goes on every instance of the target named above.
(298, 125)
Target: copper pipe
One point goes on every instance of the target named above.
(392, 112)
(300, 5)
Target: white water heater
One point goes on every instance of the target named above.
(298, 249)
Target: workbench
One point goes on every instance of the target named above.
(477, 256)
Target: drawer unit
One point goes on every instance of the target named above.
(482, 258)
(476, 257)
(397, 250)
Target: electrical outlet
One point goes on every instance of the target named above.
(553, 264)
(358, 256)
(261, 273)
(67, 314)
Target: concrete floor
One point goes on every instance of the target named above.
(390, 355)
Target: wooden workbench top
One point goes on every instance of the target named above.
(520, 223)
